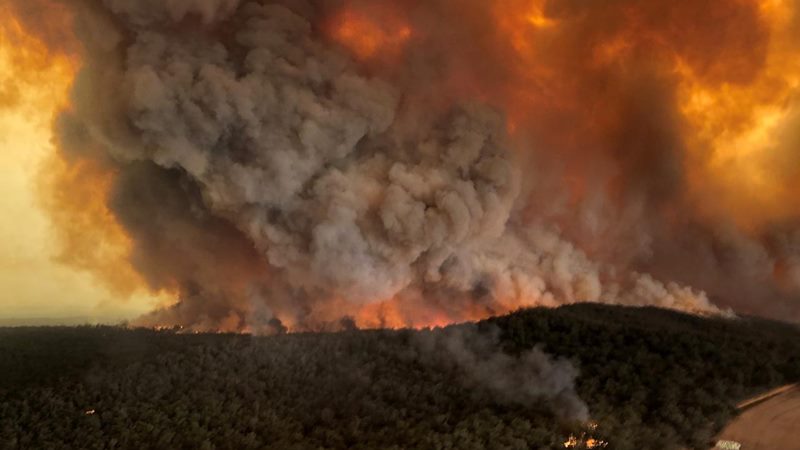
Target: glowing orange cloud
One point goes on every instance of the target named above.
(35, 81)
(366, 37)
(740, 132)
(624, 95)
(91, 239)
(736, 85)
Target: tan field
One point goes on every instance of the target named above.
(773, 424)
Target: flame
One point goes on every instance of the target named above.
(584, 440)
(596, 443)
(403, 311)
(420, 313)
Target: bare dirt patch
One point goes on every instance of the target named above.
(770, 425)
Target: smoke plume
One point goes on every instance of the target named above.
(291, 163)
(527, 379)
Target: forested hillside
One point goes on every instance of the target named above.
(650, 378)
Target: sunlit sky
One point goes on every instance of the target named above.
(33, 285)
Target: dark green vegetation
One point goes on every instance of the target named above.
(651, 378)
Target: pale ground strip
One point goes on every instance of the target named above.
(770, 422)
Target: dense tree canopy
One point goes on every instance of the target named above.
(651, 379)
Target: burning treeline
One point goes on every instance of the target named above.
(316, 164)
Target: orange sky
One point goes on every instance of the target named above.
(739, 133)
(34, 284)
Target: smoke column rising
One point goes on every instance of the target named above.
(527, 379)
(293, 163)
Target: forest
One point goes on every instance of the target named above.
(580, 376)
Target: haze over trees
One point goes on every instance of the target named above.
(650, 378)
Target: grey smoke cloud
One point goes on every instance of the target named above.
(153, 12)
(266, 175)
(293, 179)
(527, 379)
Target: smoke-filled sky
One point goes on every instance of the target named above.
(262, 165)
(35, 284)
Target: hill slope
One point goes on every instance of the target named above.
(650, 378)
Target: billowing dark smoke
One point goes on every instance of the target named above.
(291, 163)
